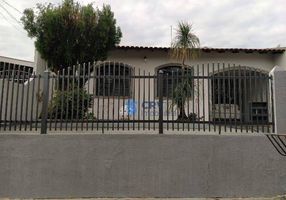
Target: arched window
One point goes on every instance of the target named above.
(228, 90)
(113, 79)
(240, 93)
(173, 76)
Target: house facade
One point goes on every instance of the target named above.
(230, 84)
(226, 85)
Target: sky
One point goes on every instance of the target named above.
(218, 23)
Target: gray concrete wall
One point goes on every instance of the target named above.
(280, 60)
(139, 166)
(279, 98)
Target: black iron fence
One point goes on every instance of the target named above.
(112, 96)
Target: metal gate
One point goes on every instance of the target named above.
(112, 96)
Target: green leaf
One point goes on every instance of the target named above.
(71, 33)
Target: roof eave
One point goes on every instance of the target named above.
(209, 50)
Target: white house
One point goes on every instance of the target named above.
(236, 99)
(229, 84)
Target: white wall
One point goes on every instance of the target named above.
(104, 107)
(280, 60)
(16, 61)
(39, 63)
(156, 58)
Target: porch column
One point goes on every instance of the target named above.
(279, 98)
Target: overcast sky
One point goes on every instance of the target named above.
(218, 23)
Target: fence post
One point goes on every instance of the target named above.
(160, 92)
(279, 98)
(45, 102)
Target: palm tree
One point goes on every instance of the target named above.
(186, 44)
(184, 47)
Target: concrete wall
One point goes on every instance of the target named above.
(40, 64)
(139, 166)
(279, 98)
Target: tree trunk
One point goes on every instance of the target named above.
(182, 115)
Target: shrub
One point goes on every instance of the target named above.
(70, 104)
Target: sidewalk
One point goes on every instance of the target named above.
(257, 198)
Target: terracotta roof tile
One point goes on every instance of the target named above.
(211, 49)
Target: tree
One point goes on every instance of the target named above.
(69, 33)
(184, 47)
(186, 44)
